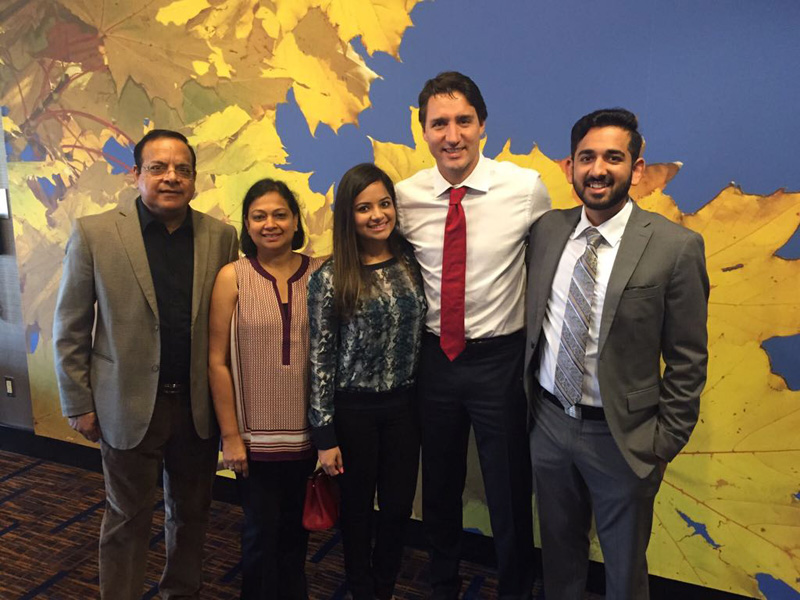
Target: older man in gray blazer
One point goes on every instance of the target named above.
(613, 290)
(131, 348)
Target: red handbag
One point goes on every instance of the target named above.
(321, 506)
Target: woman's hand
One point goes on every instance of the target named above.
(331, 461)
(234, 455)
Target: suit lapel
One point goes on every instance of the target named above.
(130, 232)
(634, 241)
(555, 248)
(201, 245)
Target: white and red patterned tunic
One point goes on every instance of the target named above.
(269, 362)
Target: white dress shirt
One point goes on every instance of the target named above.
(502, 202)
(611, 232)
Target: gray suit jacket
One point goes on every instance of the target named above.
(105, 332)
(655, 309)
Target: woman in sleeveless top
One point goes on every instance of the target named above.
(366, 310)
(258, 368)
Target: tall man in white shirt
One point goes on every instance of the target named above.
(468, 219)
(613, 290)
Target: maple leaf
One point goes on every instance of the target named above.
(180, 12)
(95, 105)
(24, 82)
(135, 45)
(257, 142)
(281, 17)
(379, 24)
(72, 42)
(32, 94)
(44, 228)
(227, 19)
(54, 105)
(319, 224)
(240, 44)
(330, 80)
(38, 280)
(22, 21)
(219, 127)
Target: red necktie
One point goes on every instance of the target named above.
(454, 269)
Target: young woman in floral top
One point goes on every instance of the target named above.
(366, 311)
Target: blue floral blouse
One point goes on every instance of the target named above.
(374, 350)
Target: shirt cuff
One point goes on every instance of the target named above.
(324, 437)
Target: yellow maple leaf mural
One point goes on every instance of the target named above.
(83, 79)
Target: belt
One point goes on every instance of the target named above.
(499, 339)
(582, 411)
(173, 389)
(487, 341)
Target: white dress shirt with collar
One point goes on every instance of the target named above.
(611, 231)
(502, 202)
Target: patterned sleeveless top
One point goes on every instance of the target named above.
(269, 361)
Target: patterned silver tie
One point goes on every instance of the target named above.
(575, 331)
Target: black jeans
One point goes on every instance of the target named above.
(378, 435)
(274, 541)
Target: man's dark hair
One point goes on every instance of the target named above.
(448, 83)
(157, 134)
(258, 189)
(608, 117)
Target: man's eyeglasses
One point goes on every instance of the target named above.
(159, 169)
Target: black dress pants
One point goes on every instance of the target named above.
(274, 541)
(481, 387)
(378, 435)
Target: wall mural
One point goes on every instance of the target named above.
(82, 80)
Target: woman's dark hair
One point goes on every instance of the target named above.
(349, 278)
(258, 189)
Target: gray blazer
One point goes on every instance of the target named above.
(105, 331)
(655, 309)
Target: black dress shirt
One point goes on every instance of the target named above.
(171, 259)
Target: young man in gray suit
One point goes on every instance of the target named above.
(612, 291)
(131, 353)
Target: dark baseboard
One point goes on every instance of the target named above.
(36, 446)
(475, 547)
